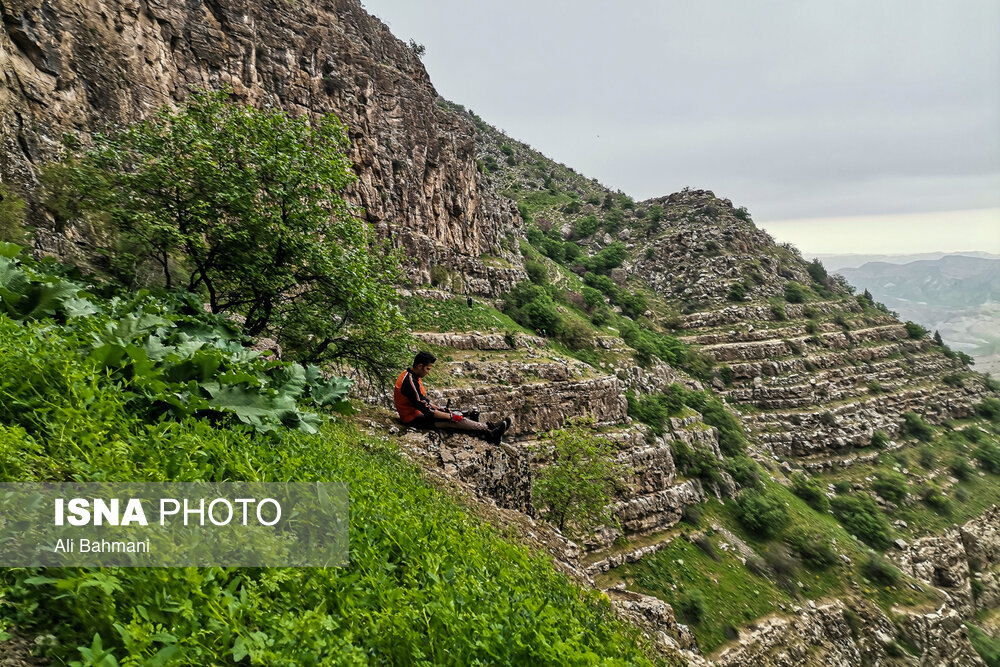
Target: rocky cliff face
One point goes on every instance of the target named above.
(79, 67)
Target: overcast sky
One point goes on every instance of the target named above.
(795, 109)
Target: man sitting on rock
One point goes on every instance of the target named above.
(417, 411)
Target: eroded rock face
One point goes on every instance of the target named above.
(80, 67)
(816, 636)
(953, 560)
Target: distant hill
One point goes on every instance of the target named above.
(958, 295)
(835, 262)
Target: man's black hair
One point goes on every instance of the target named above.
(423, 358)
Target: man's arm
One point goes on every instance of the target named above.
(420, 402)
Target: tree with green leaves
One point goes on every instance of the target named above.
(574, 489)
(244, 207)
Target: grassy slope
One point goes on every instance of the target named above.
(426, 583)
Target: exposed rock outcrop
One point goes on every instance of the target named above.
(71, 67)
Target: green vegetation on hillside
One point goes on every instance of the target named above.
(425, 582)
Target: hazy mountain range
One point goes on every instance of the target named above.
(956, 294)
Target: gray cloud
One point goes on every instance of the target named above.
(795, 109)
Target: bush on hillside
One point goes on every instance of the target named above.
(989, 408)
(732, 439)
(816, 549)
(762, 513)
(592, 298)
(586, 226)
(602, 283)
(532, 306)
(744, 471)
(795, 293)
(606, 260)
(961, 468)
(914, 425)
(633, 303)
(880, 439)
(537, 272)
(880, 570)
(891, 485)
(915, 331)
(988, 455)
(810, 491)
(575, 487)
(861, 516)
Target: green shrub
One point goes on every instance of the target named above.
(874, 387)
(703, 542)
(810, 491)
(577, 335)
(654, 409)
(682, 454)
(602, 283)
(891, 485)
(815, 549)
(691, 514)
(795, 293)
(861, 516)
(972, 433)
(732, 439)
(613, 221)
(591, 297)
(704, 465)
(915, 331)
(692, 606)
(914, 425)
(778, 312)
(647, 344)
(880, 439)
(532, 306)
(925, 455)
(782, 562)
(440, 276)
(936, 498)
(879, 570)
(606, 260)
(744, 471)
(633, 303)
(988, 455)
(737, 292)
(537, 272)
(989, 408)
(585, 226)
(575, 487)
(762, 513)
(817, 272)
(842, 486)
(812, 327)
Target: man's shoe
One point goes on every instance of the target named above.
(494, 435)
(506, 424)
